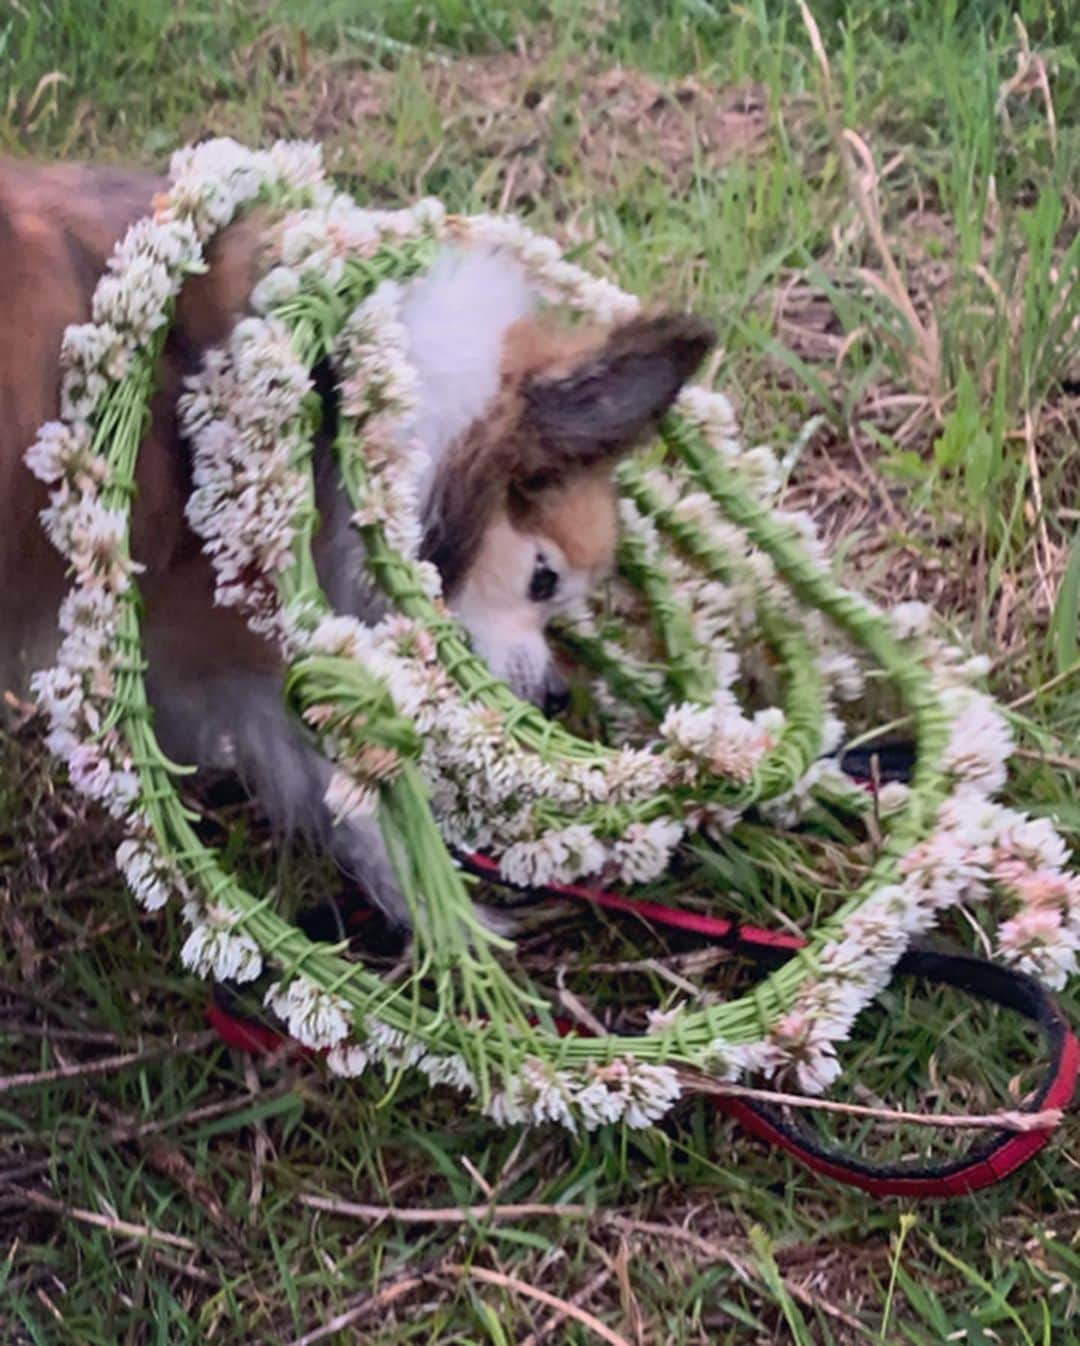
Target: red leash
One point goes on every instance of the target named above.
(987, 1163)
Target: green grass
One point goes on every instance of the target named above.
(928, 484)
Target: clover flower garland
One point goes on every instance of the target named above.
(84, 695)
(572, 851)
(254, 418)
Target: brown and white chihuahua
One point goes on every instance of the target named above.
(522, 421)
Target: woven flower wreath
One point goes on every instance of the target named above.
(423, 736)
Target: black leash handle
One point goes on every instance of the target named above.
(986, 1163)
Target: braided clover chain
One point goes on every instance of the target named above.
(415, 729)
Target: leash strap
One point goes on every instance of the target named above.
(987, 1162)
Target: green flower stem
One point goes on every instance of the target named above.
(804, 689)
(814, 588)
(623, 680)
(687, 669)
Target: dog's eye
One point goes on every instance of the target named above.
(544, 581)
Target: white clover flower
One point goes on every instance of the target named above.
(59, 693)
(598, 1105)
(348, 1059)
(63, 450)
(95, 353)
(842, 673)
(341, 635)
(763, 473)
(135, 301)
(909, 620)
(711, 411)
(278, 285)
(1038, 941)
(537, 1094)
(148, 875)
(213, 950)
(632, 1091)
(944, 870)
(170, 242)
(557, 856)
(660, 1021)
(449, 1070)
(298, 164)
(720, 737)
(97, 546)
(643, 851)
(89, 613)
(212, 181)
(315, 1018)
(799, 1042)
(99, 770)
(429, 214)
(892, 798)
(980, 740)
(643, 530)
(726, 1060)
(976, 668)
(505, 1108)
(244, 415)
(393, 1048)
(348, 800)
(1031, 840)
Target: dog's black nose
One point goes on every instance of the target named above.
(556, 695)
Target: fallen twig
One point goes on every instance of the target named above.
(109, 1223)
(1012, 1119)
(442, 1214)
(107, 1065)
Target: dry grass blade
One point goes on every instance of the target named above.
(925, 360)
(364, 1308)
(261, 1148)
(717, 1252)
(579, 1300)
(44, 84)
(48, 1033)
(1048, 759)
(574, 1007)
(1044, 563)
(565, 1306)
(1030, 75)
(1033, 695)
(925, 364)
(630, 1307)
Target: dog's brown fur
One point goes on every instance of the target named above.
(58, 226)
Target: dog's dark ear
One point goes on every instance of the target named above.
(607, 403)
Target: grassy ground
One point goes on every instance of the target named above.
(916, 288)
